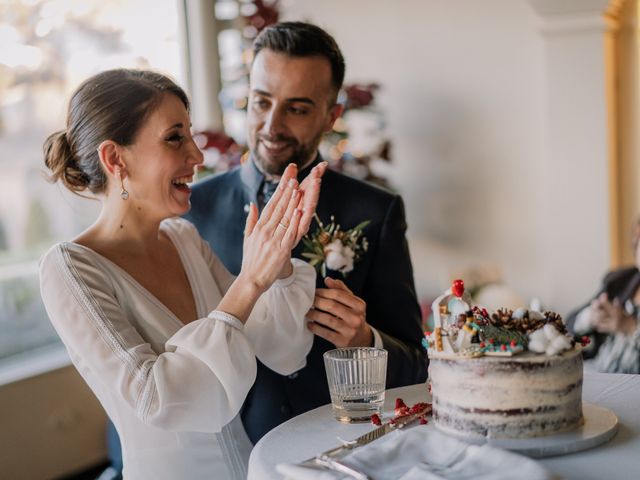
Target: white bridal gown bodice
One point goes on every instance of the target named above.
(172, 390)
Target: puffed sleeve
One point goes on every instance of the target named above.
(277, 327)
(198, 384)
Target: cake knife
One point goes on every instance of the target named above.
(329, 459)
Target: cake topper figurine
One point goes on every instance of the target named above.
(459, 301)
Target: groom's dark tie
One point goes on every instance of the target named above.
(266, 192)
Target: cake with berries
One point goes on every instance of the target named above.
(509, 374)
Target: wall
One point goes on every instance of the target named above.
(474, 91)
(628, 87)
(50, 431)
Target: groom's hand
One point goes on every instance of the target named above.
(339, 316)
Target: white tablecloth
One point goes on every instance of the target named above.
(316, 431)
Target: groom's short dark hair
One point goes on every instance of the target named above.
(299, 39)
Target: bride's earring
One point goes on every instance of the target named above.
(123, 193)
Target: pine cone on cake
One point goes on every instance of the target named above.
(505, 319)
(556, 320)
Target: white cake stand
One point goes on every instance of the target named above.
(600, 425)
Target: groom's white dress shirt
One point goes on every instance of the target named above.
(172, 390)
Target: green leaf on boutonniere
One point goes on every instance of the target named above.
(361, 225)
(308, 244)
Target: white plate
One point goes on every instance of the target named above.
(600, 425)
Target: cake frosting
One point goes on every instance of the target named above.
(502, 375)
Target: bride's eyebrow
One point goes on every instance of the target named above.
(175, 125)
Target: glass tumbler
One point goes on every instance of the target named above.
(356, 377)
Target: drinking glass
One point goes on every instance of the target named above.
(356, 377)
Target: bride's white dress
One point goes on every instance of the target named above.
(172, 390)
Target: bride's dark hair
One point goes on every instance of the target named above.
(111, 105)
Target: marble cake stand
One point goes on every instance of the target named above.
(600, 425)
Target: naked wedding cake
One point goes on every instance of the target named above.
(502, 375)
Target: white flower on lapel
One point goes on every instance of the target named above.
(334, 249)
(339, 257)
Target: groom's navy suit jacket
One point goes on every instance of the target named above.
(383, 277)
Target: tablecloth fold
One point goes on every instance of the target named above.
(427, 454)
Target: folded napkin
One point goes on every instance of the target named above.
(425, 453)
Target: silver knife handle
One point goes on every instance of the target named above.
(338, 450)
(338, 466)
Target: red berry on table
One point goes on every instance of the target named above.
(457, 288)
(491, 341)
(503, 347)
(401, 408)
(482, 345)
(400, 403)
(375, 419)
(423, 421)
(418, 407)
(513, 344)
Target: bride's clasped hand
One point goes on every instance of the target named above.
(270, 237)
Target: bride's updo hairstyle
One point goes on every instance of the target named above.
(111, 105)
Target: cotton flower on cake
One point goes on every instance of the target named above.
(549, 340)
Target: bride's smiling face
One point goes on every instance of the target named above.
(161, 163)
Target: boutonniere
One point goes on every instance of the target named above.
(334, 249)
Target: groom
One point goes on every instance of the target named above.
(296, 74)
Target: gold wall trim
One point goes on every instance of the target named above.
(621, 205)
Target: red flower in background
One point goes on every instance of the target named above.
(229, 153)
(264, 16)
(359, 96)
(218, 140)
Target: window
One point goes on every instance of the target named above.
(48, 48)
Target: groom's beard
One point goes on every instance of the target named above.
(276, 164)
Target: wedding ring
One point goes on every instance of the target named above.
(280, 224)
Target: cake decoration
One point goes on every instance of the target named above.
(463, 330)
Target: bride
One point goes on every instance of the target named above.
(163, 334)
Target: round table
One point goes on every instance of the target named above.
(316, 431)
